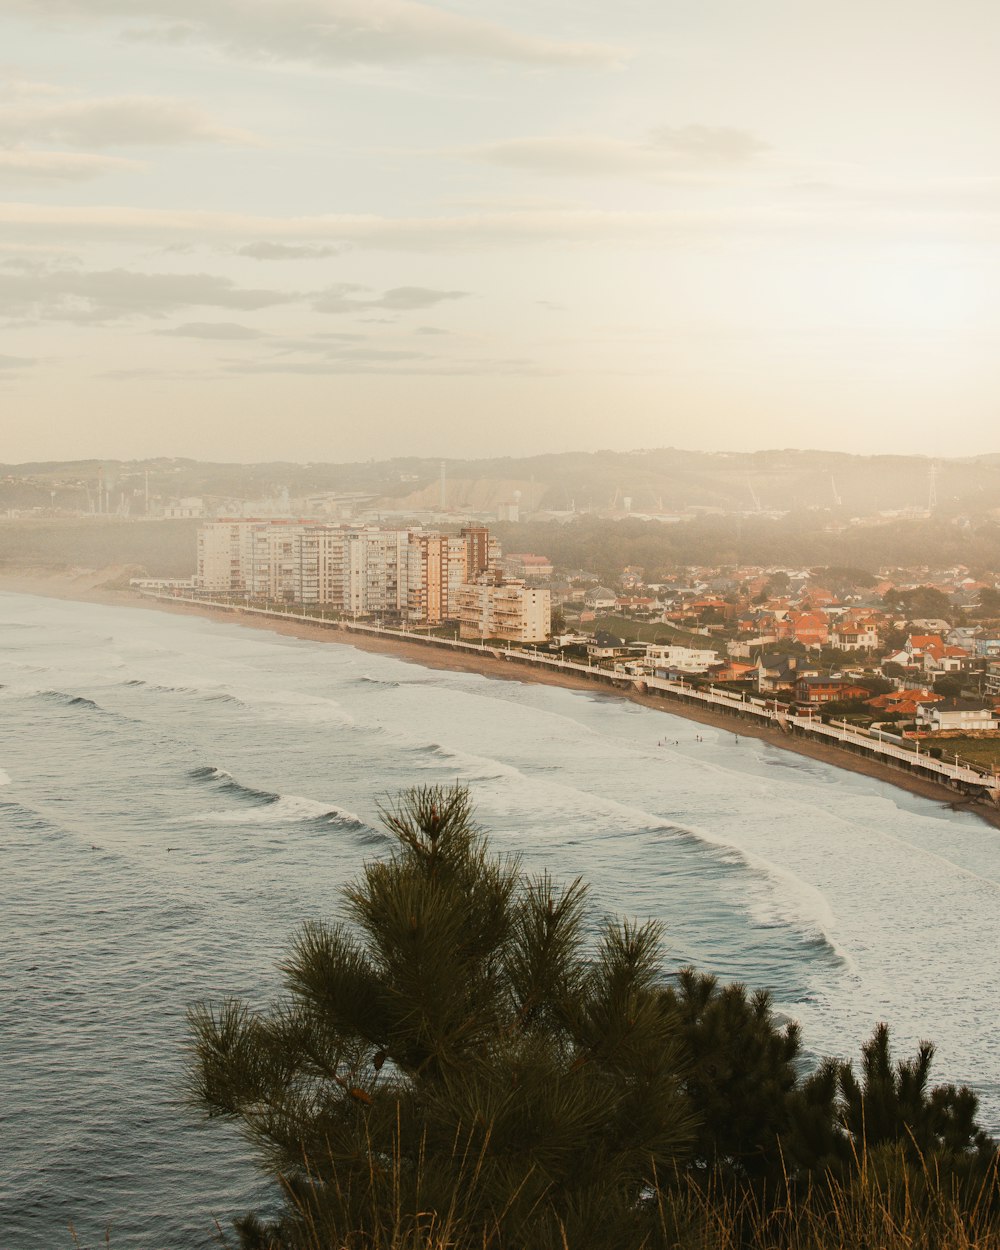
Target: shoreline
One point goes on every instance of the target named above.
(91, 587)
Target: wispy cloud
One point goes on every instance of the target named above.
(324, 32)
(19, 166)
(682, 152)
(9, 364)
(286, 251)
(98, 296)
(118, 121)
(346, 298)
(937, 217)
(227, 331)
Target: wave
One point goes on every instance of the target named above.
(775, 897)
(4, 778)
(159, 689)
(289, 809)
(470, 767)
(265, 806)
(70, 700)
(227, 783)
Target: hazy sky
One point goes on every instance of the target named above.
(341, 229)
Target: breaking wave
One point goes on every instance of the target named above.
(265, 806)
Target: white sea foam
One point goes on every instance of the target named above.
(4, 778)
(285, 809)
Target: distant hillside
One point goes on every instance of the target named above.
(662, 480)
(602, 547)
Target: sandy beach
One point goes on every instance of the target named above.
(92, 587)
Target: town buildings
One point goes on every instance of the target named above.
(406, 576)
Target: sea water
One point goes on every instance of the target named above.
(178, 795)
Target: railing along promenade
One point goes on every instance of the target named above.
(964, 777)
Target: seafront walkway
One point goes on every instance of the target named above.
(753, 708)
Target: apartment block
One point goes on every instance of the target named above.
(225, 556)
(361, 570)
(504, 611)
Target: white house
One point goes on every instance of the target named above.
(964, 714)
(691, 659)
(854, 638)
(600, 599)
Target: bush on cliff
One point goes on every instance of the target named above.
(460, 1049)
(467, 1062)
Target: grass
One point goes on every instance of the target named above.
(883, 1207)
(650, 631)
(979, 751)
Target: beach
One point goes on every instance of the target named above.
(98, 586)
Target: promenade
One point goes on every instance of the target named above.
(971, 782)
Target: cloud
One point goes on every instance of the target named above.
(19, 165)
(10, 363)
(708, 144)
(411, 364)
(286, 251)
(476, 231)
(226, 330)
(112, 122)
(100, 296)
(685, 152)
(158, 375)
(324, 32)
(342, 299)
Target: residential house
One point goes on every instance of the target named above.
(778, 672)
(637, 603)
(917, 644)
(963, 636)
(903, 702)
(527, 567)
(811, 629)
(847, 637)
(942, 659)
(600, 599)
(605, 646)
(690, 659)
(732, 670)
(833, 688)
(987, 646)
(968, 715)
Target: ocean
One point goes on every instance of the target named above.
(178, 795)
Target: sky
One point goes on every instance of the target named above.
(327, 230)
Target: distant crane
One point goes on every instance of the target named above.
(837, 501)
(753, 496)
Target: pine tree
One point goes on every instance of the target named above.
(456, 1054)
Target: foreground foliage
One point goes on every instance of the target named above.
(466, 1061)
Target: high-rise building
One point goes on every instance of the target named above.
(225, 556)
(362, 570)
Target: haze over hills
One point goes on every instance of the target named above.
(659, 481)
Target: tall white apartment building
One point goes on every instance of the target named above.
(376, 571)
(225, 556)
(276, 563)
(506, 611)
(362, 570)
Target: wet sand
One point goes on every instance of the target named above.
(91, 587)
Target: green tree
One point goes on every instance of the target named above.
(459, 1047)
(758, 1121)
(891, 1103)
(989, 600)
